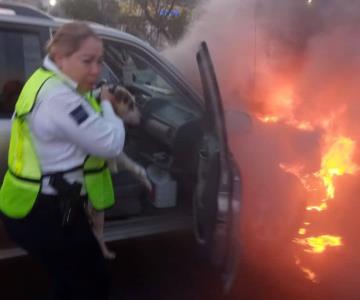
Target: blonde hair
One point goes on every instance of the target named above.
(68, 39)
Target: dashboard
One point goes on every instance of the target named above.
(170, 123)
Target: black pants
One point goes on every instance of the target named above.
(72, 256)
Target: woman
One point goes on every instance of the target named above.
(57, 141)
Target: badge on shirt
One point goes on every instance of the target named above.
(79, 114)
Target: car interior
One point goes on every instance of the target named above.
(165, 143)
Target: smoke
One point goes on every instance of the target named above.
(297, 60)
(229, 40)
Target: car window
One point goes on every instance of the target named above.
(108, 75)
(135, 70)
(20, 55)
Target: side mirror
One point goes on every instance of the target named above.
(237, 122)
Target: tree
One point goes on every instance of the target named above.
(157, 21)
(157, 12)
(104, 11)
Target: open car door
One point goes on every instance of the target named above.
(218, 191)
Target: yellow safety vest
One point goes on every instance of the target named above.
(22, 181)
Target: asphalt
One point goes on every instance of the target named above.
(169, 267)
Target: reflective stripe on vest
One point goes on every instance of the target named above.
(22, 181)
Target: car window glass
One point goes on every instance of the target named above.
(134, 70)
(108, 75)
(18, 60)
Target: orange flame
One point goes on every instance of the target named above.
(282, 108)
(323, 206)
(337, 161)
(301, 125)
(296, 170)
(302, 231)
(305, 126)
(268, 118)
(320, 243)
(308, 273)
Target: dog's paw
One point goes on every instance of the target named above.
(110, 255)
(106, 252)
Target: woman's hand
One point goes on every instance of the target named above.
(105, 95)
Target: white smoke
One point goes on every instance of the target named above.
(228, 28)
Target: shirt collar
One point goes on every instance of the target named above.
(51, 66)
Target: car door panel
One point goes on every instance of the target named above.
(218, 193)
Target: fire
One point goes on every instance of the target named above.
(268, 119)
(282, 107)
(302, 231)
(281, 99)
(297, 171)
(337, 161)
(301, 125)
(308, 273)
(323, 206)
(320, 243)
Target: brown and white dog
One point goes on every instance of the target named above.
(125, 107)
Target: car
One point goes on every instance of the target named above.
(181, 141)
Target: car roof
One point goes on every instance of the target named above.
(21, 10)
(29, 15)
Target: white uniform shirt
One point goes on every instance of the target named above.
(65, 128)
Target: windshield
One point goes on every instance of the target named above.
(133, 70)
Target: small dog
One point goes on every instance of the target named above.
(125, 107)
